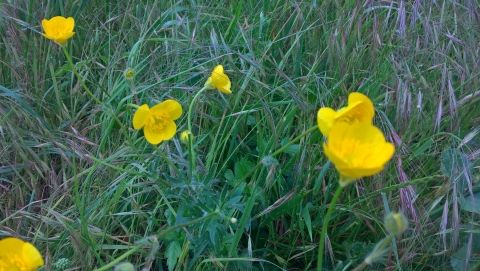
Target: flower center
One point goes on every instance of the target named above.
(157, 122)
(57, 31)
(348, 118)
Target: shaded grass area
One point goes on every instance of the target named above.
(87, 188)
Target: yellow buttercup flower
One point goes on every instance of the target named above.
(59, 29)
(357, 150)
(219, 80)
(17, 255)
(360, 108)
(158, 122)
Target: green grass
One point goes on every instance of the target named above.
(89, 191)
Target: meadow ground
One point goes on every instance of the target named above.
(86, 188)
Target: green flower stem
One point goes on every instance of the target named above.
(321, 245)
(190, 138)
(112, 264)
(134, 106)
(79, 77)
(85, 87)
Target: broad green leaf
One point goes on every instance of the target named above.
(173, 252)
(243, 167)
(459, 261)
(471, 203)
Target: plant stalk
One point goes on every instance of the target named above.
(191, 150)
(321, 245)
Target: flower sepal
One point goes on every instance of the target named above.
(345, 181)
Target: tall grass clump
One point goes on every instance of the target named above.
(244, 182)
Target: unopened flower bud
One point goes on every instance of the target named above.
(129, 74)
(185, 136)
(396, 223)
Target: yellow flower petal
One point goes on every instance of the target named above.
(169, 130)
(357, 150)
(140, 117)
(10, 245)
(154, 135)
(359, 109)
(225, 89)
(69, 24)
(16, 254)
(62, 24)
(46, 25)
(151, 136)
(170, 108)
(209, 83)
(219, 80)
(355, 97)
(325, 119)
(62, 39)
(32, 257)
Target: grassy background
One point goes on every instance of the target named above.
(88, 190)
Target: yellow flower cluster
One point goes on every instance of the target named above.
(17, 255)
(354, 145)
(158, 122)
